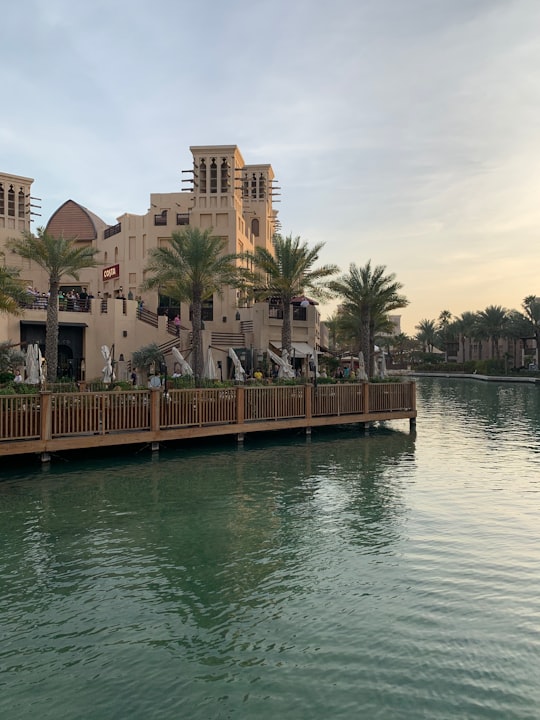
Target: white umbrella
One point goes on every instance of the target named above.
(33, 364)
(108, 374)
(239, 372)
(362, 375)
(185, 368)
(209, 366)
(382, 367)
(285, 369)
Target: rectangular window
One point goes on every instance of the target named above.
(2, 200)
(182, 218)
(21, 204)
(132, 247)
(161, 219)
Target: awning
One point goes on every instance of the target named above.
(299, 349)
(60, 324)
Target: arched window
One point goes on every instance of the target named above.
(202, 175)
(21, 203)
(116, 255)
(213, 176)
(224, 176)
(11, 201)
(255, 227)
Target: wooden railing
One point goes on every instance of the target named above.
(47, 417)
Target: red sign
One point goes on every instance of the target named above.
(111, 273)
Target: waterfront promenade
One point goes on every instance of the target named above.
(51, 422)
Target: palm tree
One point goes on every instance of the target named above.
(288, 273)
(191, 269)
(426, 334)
(465, 326)
(368, 296)
(12, 292)
(531, 306)
(492, 323)
(59, 257)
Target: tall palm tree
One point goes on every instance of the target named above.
(426, 334)
(531, 306)
(465, 327)
(12, 292)
(60, 257)
(288, 273)
(191, 268)
(368, 293)
(492, 323)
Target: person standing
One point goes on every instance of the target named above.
(176, 322)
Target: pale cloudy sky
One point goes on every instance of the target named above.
(402, 131)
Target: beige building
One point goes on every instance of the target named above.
(224, 193)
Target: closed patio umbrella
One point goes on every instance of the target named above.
(239, 372)
(285, 368)
(108, 374)
(209, 371)
(185, 367)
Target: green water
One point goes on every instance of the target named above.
(392, 576)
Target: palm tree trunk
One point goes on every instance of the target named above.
(51, 334)
(286, 327)
(366, 349)
(196, 325)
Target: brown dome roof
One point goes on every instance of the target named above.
(74, 221)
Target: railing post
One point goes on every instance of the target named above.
(45, 404)
(155, 419)
(240, 399)
(308, 402)
(365, 396)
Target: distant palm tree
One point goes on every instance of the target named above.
(465, 326)
(531, 306)
(426, 334)
(12, 292)
(492, 323)
(287, 273)
(368, 296)
(191, 268)
(59, 257)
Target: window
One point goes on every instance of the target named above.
(213, 176)
(254, 186)
(11, 201)
(21, 204)
(202, 175)
(2, 200)
(207, 310)
(255, 227)
(224, 175)
(161, 219)
(182, 218)
(262, 187)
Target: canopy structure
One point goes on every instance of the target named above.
(209, 371)
(239, 372)
(285, 368)
(185, 368)
(108, 373)
(299, 349)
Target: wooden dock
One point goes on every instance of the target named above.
(51, 422)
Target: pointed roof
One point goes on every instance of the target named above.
(74, 221)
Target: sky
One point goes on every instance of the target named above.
(405, 132)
